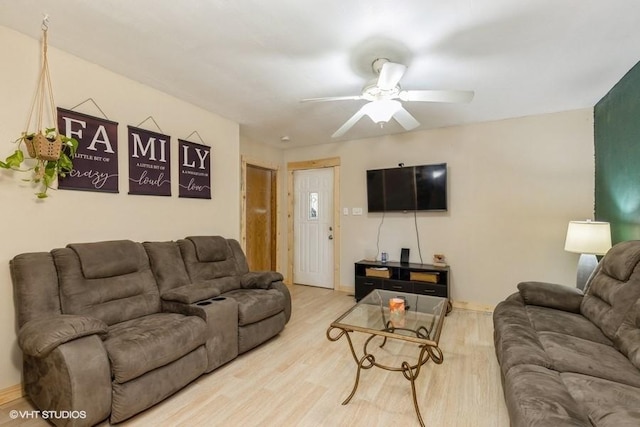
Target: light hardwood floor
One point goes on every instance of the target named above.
(300, 378)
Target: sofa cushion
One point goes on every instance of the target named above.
(145, 391)
(111, 299)
(628, 335)
(167, 265)
(140, 345)
(572, 354)
(516, 342)
(35, 286)
(260, 279)
(107, 259)
(550, 320)
(211, 248)
(519, 345)
(222, 284)
(207, 257)
(607, 403)
(241, 260)
(614, 287)
(537, 396)
(622, 260)
(253, 335)
(615, 417)
(255, 305)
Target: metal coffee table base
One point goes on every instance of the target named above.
(368, 360)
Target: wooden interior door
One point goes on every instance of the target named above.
(261, 218)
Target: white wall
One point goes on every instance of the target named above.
(261, 153)
(76, 216)
(513, 186)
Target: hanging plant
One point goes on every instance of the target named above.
(52, 153)
(49, 152)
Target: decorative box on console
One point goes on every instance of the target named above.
(420, 276)
(378, 272)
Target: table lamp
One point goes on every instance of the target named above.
(587, 238)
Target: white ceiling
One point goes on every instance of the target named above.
(252, 61)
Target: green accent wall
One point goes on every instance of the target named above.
(617, 162)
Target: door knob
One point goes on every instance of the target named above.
(330, 237)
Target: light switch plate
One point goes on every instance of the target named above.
(345, 211)
(356, 211)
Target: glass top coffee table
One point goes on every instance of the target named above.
(396, 315)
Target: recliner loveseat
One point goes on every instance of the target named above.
(109, 329)
(569, 358)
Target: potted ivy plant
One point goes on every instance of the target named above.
(52, 153)
(49, 152)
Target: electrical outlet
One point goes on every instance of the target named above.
(356, 211)
(345, 211)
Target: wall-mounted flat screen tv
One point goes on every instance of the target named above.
(408, 188)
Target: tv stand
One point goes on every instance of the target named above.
(425, 279)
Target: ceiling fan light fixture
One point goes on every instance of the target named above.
(381, 111)
(384, 93)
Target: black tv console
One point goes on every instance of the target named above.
(412, 278)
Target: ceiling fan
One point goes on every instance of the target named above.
(383, 94)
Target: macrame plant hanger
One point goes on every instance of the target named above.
(44, 143)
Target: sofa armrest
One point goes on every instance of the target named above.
(284, 290)
(40, 336)
(551, 295)
(75, 377)
(189, 294)
(260, 279)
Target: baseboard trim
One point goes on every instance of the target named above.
(466, 305)
(345, 289)
(10, 394)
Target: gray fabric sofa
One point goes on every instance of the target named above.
(109, 329)
(569, 358)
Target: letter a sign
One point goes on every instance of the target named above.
(95, 166)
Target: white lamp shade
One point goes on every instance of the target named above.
(381, 111)
(588, 237)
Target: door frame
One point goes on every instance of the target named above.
(248, 161)
(331, 162)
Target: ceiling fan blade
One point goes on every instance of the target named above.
(406, 120)
(460, 96)
(349, 123)
(333, 98)
(390, 75)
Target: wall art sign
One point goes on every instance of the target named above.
(95, 166)
(195, 170)
(149, 162)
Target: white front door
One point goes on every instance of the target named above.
(313, 227)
